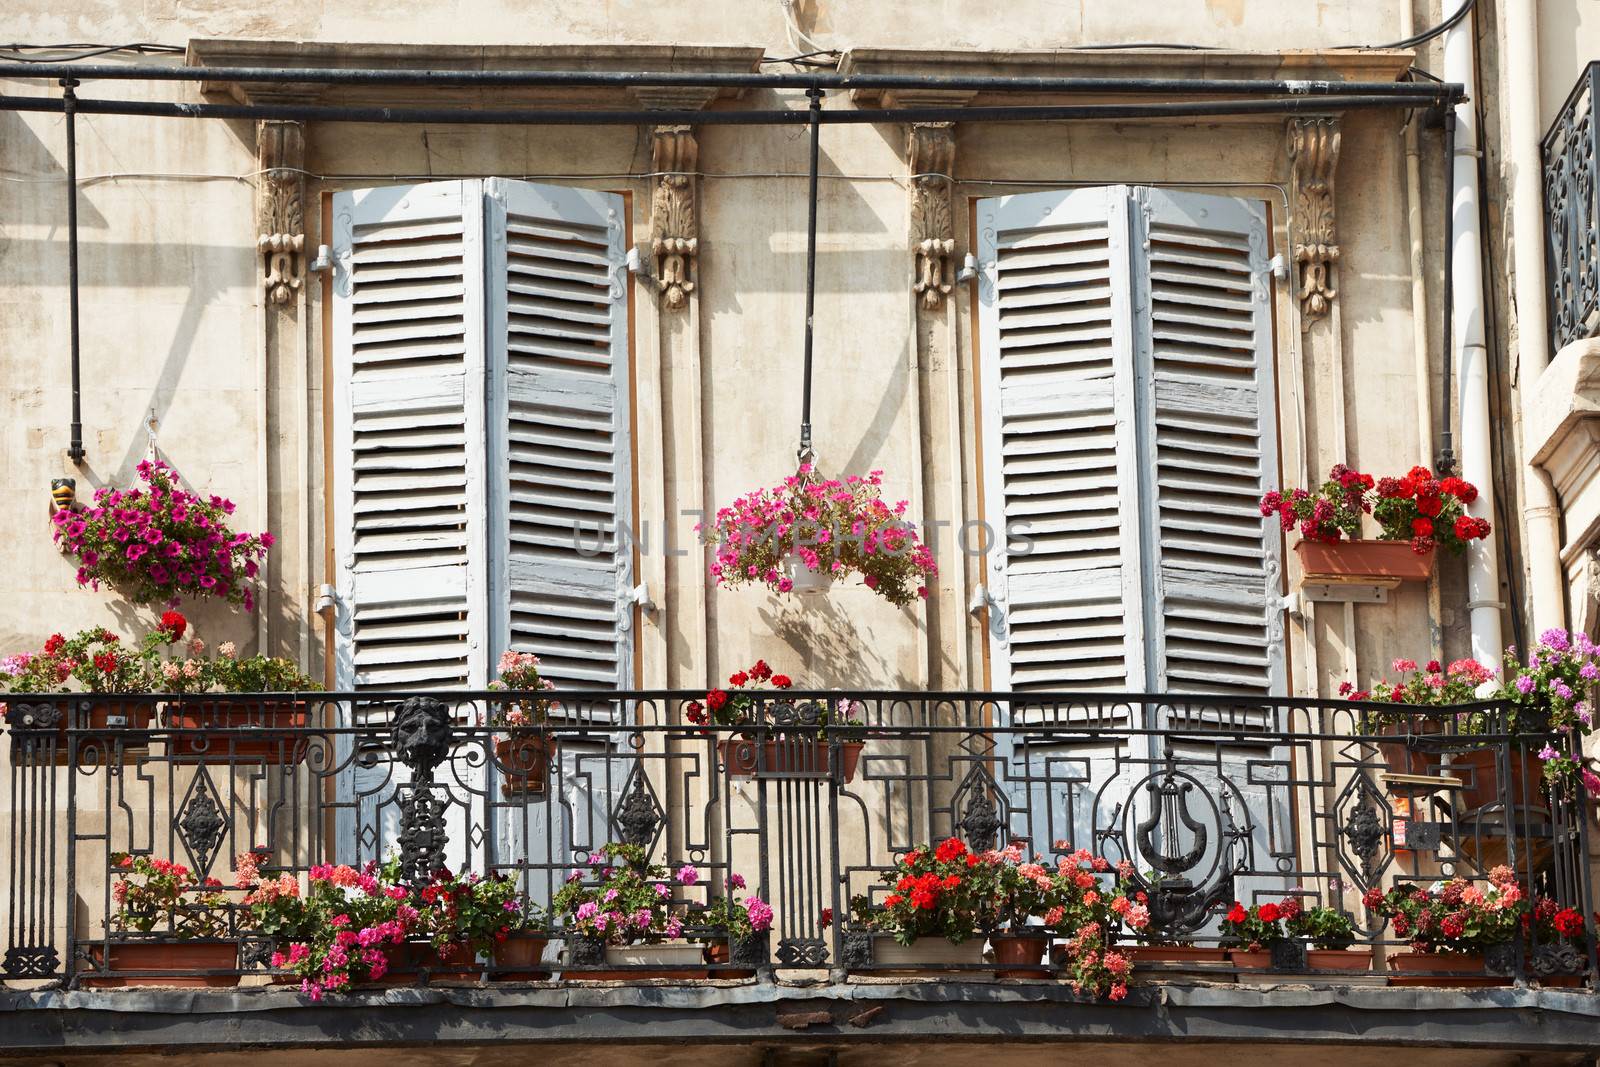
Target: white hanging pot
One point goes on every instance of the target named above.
(807, 582)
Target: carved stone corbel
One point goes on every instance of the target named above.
(932, 156)
(674, 240)
(280, 221)
(1314, 151)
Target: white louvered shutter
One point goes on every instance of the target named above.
(1058, 409)
(408, 437)
(409, 460)
(1130, 420)
(1208, 428)
(561, 422)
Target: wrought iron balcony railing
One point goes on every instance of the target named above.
(1212, 799)
(1572, 213)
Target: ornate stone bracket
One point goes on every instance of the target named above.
(674, 240)
(1314, 151)
(280, 220)
(932, 155)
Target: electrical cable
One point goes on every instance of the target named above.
(1427, 35)
(141, 48)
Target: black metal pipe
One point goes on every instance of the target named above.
(815, 113)
(1438, 92)
(69, 101)
(1447, 438)
(796, 116)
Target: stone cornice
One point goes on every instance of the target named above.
(1359, 66)
(241, 52)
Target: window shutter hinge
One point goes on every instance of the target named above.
(640, 595)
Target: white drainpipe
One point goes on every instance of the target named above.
(1468, 348)
(1541, 512)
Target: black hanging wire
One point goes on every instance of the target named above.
(69, 108)
(815, 123)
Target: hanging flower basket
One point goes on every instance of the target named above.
(523, 754)
(800, 534)
(160, 543)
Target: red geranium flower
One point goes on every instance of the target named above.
(716, 698)
(173, 624)
(736, 680)
(1237, 914)
(1271, 913)
(53, 643)
(781, 681)
(951, 849)
(1422, 527)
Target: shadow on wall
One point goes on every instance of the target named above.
(28, 156)
(826, 640)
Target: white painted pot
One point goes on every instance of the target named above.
(667, 954)
(807, 582)
(926, 952)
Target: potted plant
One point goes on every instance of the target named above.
(1018, 897)
(467, 916)
(350, 927)
(1330, 933)
(788, 738)
(108, 671)
(1549, 694)
(806, 531)
(1415, 513)
(930, 917)
(523, 747)
(270, 729)
(1252, 935)
(1433, 686)
(187, 915)
(745, 926)
(1452, 926)
(1557, 943)
(619, 913)
(160, 543)
(1094, 911)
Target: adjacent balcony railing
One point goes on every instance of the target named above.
(1572, 213)
(1212, 800)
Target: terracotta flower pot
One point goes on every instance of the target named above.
(1405, 757)
(671, 960)
(1019, 955)
(166, 963)
(214, 731)
(1440, 969)
(408, 961)
(524, 763)
(1479, 770)
(1362, 561)
(788, 758)
(519, 958)
(1177, 954)
(1247, 960)
(1339, 959)
(720, 954)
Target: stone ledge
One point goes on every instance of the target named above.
(620, 58)
(1373, 65)
(36, 1023)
